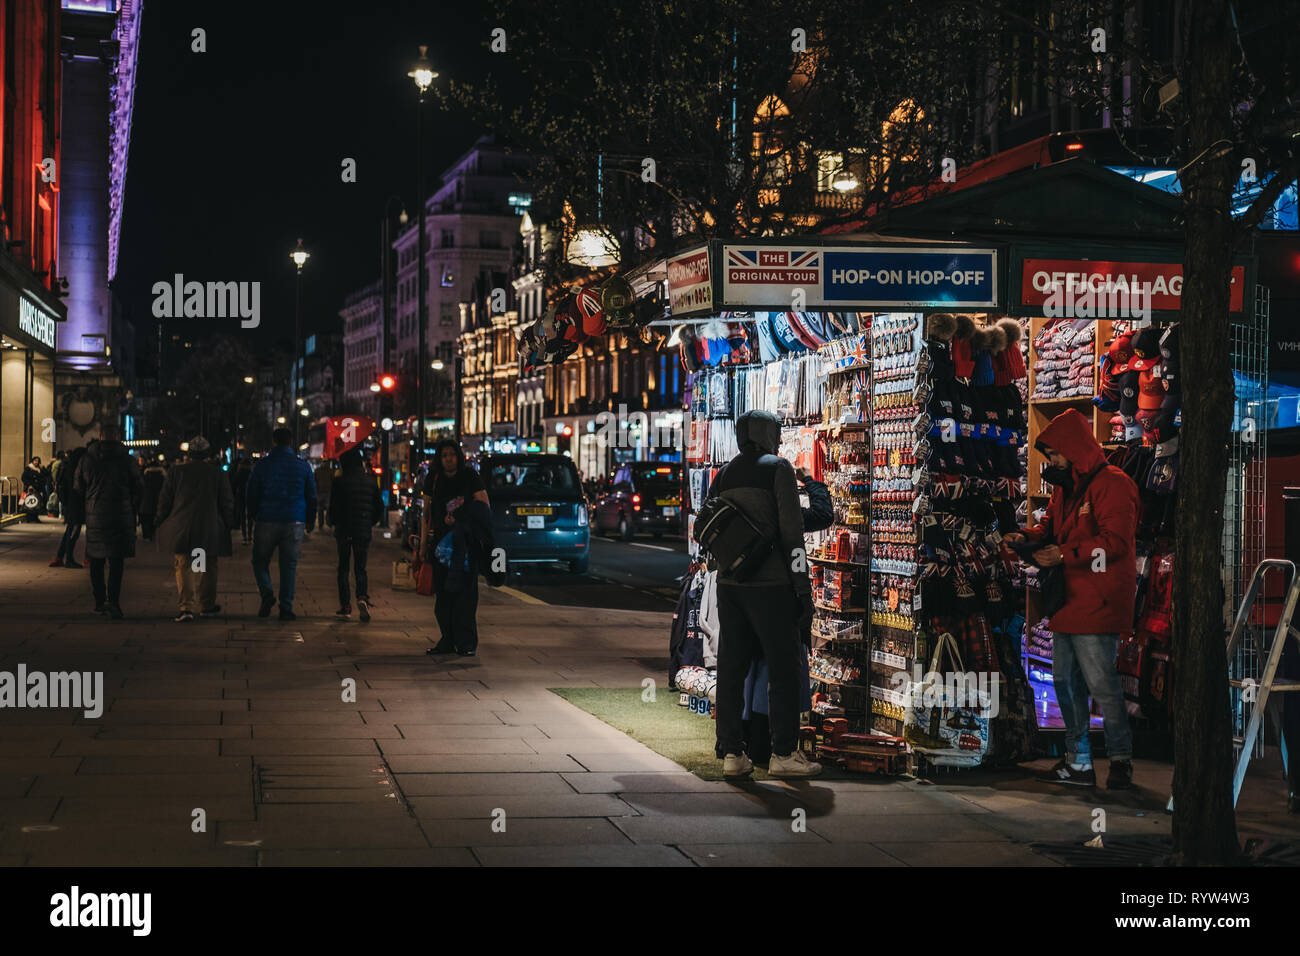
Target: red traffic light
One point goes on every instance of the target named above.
(387, 383)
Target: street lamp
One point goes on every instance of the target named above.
(423, 74)
(299, 256)
(248, 380)
(280, 420)
(437, 365)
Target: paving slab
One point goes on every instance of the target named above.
(454, 784)
(680, 781)
(525, 832)
(789, 854)
(585, 855)
(422, 856)
(520, 805)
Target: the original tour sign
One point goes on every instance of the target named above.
(36, 322)
(858, 277)
(1163, 280)
(690, 283)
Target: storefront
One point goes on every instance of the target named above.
(29, 319)
(919, 408)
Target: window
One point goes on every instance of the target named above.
(448, 238)
(446, 315)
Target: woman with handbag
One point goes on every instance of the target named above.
(451, 484)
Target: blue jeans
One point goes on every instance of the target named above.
(267, 537)
(1083, 664)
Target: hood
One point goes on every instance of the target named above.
(760, 427)
(1070, 433)
(103, 450)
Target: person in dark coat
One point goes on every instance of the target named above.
(109, 480)
(35, 481)
(450, 483)
(153, 477)
(764, 614)
(196, 510)
(355, 507)
(74, 512)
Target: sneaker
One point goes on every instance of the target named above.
(1120, 776)
(737, 765)
(795, 765)
(442, 647)
(344, 611)
(287, 615)
(114, 611)
(363, 610)
(210, 611)
(466, 653)
(56, 562)
(100, 608)
(268, 602)
(183, 617)
(1066, 774)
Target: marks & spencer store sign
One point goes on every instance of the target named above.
(858, 277)
(33, 320)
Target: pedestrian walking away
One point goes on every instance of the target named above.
(109, 481)
(73, 506)
(451, 483)
(153, 475)
(35, 481)
(196, 510)
(324, 477)
(763, 614)
(282, 500)
(355, 507)
(1088, 532)
(239, 487)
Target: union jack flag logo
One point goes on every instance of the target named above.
(773, 258)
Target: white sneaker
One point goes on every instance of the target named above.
(737, 765)
(795, 765)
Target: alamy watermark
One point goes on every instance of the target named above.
(37, 689)
(625, 429)
(1096, 297)
(179, 299)
(976, 690)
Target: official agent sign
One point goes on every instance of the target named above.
(858, 277)
(1163, 280)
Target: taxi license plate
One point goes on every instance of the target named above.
(666, 501)
(535, 511)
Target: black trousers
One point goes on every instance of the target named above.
(757, 622)
(355, 549)
(457, 611)
(146, 526)
(114, 590)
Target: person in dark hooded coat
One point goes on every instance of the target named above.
(355, 507)
(108, 479)
(765, 613)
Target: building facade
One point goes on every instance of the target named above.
(32, 313)
(94, 361)
(471, 222)
(363, 346)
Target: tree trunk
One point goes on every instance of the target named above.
(1204, 825)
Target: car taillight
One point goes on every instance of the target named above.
(582, 514)
(636, 499)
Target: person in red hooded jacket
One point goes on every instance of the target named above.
(1089, 530)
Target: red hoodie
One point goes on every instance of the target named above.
(1099, 595)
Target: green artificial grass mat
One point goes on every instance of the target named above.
(663, 725)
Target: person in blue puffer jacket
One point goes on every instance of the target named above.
(281, 497)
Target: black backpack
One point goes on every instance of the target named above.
(738, 548)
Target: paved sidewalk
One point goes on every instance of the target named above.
(243, 719)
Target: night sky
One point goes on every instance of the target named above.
(237, 151)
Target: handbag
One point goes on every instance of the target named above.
(736, 545)
(951, 730)
(424, 578)
(403, 576)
